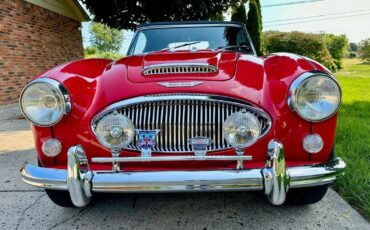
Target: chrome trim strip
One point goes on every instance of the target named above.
(180, 84)
(62, 90)
(299, 81)
(169, 158)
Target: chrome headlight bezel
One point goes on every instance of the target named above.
(297, 83)
(64, 94)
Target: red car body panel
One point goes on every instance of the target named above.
(94, 84)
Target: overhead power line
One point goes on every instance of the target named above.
(290, 3)
(316, 16)
(323, 19)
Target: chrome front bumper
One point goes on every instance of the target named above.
(275, 179)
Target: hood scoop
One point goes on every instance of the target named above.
(184, 66)
(179, 68)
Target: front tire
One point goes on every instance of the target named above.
(309, 195)
(60, 198)
(305, 196)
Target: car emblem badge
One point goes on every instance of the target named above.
(146, 141)
(199, 145)
(180, 84)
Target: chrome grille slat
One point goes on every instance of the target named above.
(182, 117)
(161, 137)
(219, 129)
(170, 135)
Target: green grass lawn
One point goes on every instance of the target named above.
(353, 135)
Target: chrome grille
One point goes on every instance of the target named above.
(179, 68)
(181, 117)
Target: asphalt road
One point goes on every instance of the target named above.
(26, 207)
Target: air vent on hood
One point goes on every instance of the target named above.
(179, 68)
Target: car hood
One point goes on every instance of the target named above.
(182, 65)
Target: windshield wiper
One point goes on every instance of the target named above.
(182, 45)
(248, 48)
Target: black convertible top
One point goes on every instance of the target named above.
(189, 23)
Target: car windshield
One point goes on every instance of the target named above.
(191, 38)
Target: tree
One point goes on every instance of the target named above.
(353, 47)
(254, 25)
(105, 42)
(104, 38)
(130, 13)
(364, 50)
(239, 14)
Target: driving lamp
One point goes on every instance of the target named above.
(115, 131)
(241, 129)
(315, 97)
(44, 102)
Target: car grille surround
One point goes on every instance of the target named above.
(180, 117)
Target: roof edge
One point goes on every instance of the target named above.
(68, 8)
(79, 10)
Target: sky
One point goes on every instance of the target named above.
(350, 17)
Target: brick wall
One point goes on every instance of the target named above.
(32, 40)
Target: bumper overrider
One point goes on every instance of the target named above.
(274, 179)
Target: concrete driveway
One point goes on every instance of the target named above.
(24, 207)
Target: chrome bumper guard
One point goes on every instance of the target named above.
(275, 179)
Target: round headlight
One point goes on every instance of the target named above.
(315, 97)
(241, 129)
(115, 131)
(44, 102)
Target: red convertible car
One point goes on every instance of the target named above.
(190, 108)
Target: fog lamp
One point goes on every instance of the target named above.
(115, 131)
(241, 129)
(313, 143)
(51, 147)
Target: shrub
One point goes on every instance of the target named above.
(93, 52)
(364, 50)
(352, 55)
(338, 47)
(306, 44)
